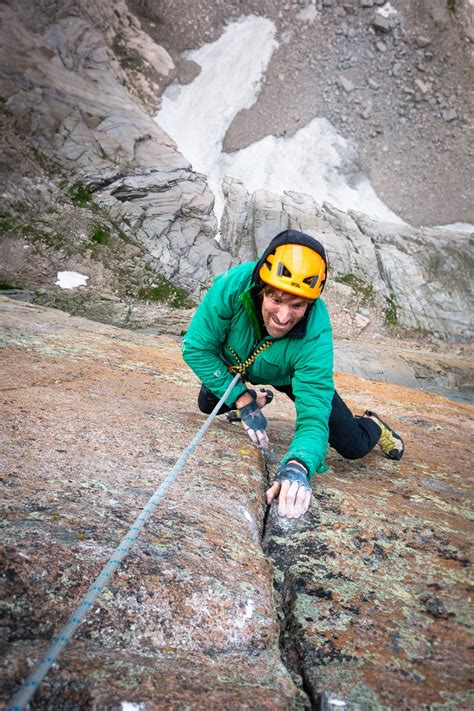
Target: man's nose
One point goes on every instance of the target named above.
(283, 314)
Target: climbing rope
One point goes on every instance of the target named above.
(242, 367)
(21, 698)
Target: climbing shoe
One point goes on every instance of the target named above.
(389, 442)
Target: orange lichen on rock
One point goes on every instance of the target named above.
(374, 583)
(94, 420)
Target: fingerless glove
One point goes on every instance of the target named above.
(293, 472)
(251, 414)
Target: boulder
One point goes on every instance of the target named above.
(172, 214)
(381, 23)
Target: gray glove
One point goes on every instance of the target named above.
(252, 415)
(255, 424)
(292, 488)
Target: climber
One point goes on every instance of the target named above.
(265, 320)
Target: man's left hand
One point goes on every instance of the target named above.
(292, 488)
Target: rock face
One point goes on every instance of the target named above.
(447, 371)
(91, 184)
(372, 585)
(369, 608)
(424, 275)
(188, 620)
(172, 213)
(82, 154)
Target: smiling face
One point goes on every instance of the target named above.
(281, 311)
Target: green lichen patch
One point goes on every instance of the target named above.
(390, 312)
(162, 291)
(101, 235)
(20, 207)
(80, 195)
(7, 223)
(13, 216)
(128, 57)
(359, 285)
(25, 225)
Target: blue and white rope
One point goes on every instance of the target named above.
(21, 698)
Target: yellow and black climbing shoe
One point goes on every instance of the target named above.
(389, 442)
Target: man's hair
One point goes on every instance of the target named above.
(269, 289)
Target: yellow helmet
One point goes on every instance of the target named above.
(295, 268)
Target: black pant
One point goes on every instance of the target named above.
(352, 436)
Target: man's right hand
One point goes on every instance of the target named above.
(253, 421)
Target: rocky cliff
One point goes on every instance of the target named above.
(363, 604)
(420, 277)
(74, 127)
(92, 185)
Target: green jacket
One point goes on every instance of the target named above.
(303, 359)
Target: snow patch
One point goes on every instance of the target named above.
(387, 11)
(308, 14)
(71, 280)
(458, 226)
(317, 160)
(198, 115)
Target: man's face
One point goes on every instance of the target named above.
(281, 311)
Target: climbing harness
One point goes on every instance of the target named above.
(242, 367)
(22, 697)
